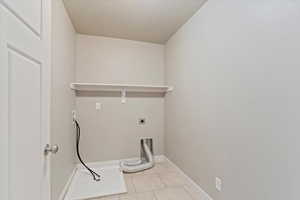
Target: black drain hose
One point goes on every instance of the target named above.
(96, 176)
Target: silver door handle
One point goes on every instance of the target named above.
(51, 149)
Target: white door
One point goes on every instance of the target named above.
(24, 99)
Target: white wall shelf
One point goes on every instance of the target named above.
(120, 87)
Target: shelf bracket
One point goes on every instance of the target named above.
(123, 96)
(170, 89)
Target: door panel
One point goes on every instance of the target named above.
(25, 157)
(24, 98)
(26, 41)
(3, 113)
(29, 12)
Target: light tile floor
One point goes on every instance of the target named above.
(162, 182)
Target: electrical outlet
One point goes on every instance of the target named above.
(218, 184)
(98, 106)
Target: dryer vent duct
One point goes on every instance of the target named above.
(145, 162)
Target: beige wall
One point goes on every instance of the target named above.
(235, 109)
(113, 132)
(108, 60)
(63, 99)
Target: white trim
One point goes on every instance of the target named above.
(159, 158)
(66, 188)
(191, 181)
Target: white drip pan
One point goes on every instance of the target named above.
(84, 187)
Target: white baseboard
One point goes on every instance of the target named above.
(65, 189)
(199, 189)
(159, 158)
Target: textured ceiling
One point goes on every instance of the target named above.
(142, 20)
